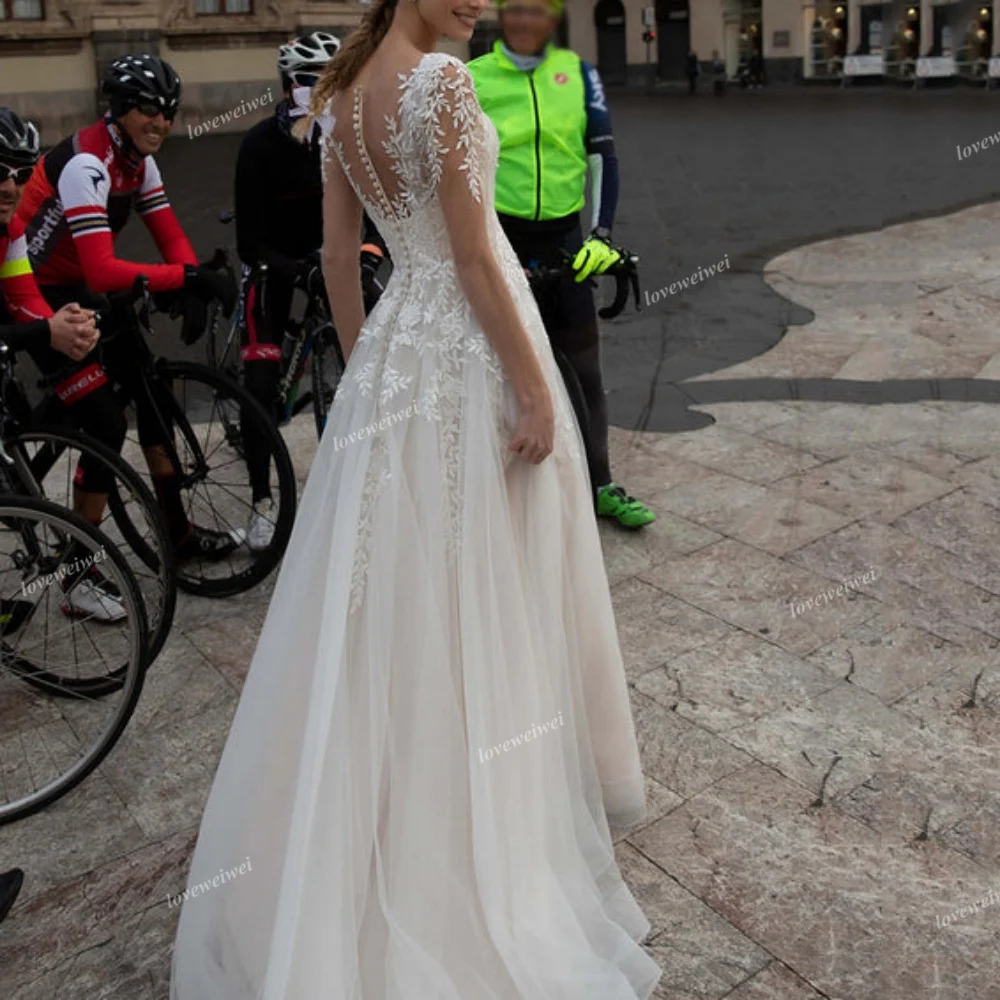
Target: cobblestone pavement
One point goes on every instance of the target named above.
(823, 774)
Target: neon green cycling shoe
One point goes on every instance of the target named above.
(613, 501)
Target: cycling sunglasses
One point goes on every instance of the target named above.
(303, 79)
(151, 110)
(21, 175)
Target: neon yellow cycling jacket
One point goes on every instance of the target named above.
(541, 118)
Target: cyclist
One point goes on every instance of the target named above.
(27, 321)
(549, 110)
(76, 202)
(279, 222)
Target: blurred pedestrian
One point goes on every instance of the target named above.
(718, 74)
(10, 886)
(693, 71)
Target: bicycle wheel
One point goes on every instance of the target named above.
(46, 459)
(211, 414)
(69, 680)
(326, 371)
(223, 341)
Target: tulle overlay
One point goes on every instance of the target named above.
(413, 831)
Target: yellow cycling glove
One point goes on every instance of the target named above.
(594, 257)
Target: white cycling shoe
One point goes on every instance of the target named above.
(261, 530)
(88, 599)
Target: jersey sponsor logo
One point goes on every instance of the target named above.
(81, 383)
(561, 78)
(96, 176)
(598, 103)
(52, 220)
(260, 352)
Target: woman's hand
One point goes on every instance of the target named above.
(535, 434)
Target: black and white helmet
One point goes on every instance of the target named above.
(132, 81)
(19, 142)
(309, 51)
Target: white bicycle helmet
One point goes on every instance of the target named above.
(308, 51)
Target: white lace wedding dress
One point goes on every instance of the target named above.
(408, 828)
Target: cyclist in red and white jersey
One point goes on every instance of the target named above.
(27, 321)
(79, 198)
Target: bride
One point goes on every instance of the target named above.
(434, 734)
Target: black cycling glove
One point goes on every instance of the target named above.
(206, 284)
(193, 309)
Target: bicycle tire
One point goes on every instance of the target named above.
(327, 370)
(216, 385)
(575, 392)
(578, 401)
(152, 551)
(129, 684)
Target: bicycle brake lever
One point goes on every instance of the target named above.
(621, 297)
(219, 260)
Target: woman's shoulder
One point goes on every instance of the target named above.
(441, 69)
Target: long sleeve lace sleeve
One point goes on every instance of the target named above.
(453, 131)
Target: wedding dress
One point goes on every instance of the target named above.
(435, 727)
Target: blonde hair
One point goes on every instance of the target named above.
(342, 69)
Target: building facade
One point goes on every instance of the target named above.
(53, 52)
(797, 39)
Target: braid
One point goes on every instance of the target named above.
(354, 53)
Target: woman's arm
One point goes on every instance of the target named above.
(341, 272)
(478, 271)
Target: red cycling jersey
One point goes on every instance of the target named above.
(20, 294)
(78, 200)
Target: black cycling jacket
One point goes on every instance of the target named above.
(279, 196)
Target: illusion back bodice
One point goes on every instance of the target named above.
(393, 139)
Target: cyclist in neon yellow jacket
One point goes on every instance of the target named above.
(550, 112)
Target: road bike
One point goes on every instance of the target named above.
(312, 361)
(203, 417)
(45, 456)
(543, 277)
(69, 682)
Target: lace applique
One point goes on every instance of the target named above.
(376, 478)
(326, 122)
(447, 97)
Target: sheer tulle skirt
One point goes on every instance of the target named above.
(413, 832)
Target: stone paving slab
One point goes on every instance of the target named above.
(823, 785)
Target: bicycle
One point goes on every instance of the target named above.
(626, 275)
(202, 417)
(308, 344)
(68, 684)
(45, 453)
